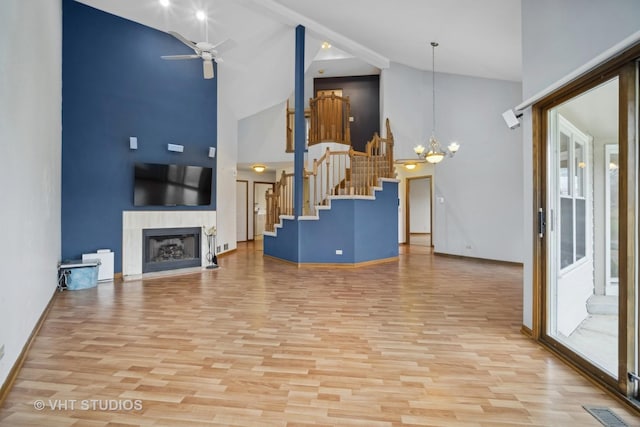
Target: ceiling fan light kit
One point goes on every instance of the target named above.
(203, 50)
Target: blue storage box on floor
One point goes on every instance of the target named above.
(82, 278)
(74, 275)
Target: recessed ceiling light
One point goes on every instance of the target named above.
(201, 15)
(165, 3)
(326, 45)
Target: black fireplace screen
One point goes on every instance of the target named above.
(170, 248)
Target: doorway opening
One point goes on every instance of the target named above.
(419, 211)
(260, 207)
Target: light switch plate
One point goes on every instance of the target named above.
(175, 147)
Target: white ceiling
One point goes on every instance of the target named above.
(595, 112)
(477, 37)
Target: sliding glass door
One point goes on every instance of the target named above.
(586, 250)
(582, 315)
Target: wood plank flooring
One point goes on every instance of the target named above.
(425, 341)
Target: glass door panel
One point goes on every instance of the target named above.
(582, 309)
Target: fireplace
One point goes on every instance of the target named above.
(170, 248)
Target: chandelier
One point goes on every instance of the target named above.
(434, 152)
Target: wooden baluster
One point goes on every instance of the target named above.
(327, 187)
(348, 132)
(268, 220)
(338, 119)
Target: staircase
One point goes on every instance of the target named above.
(335, 173)
(350, 198)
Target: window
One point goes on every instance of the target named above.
(572, 180)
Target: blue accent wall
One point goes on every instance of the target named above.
(285, 245)
(365, 230)
(376, 229)
(115, 85)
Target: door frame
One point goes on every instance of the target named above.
(246, 208)
(407, 207)
(624, 67)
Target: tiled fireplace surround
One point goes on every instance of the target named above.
(133, 222)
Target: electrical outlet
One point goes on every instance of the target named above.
(468, 247)
(1, 351)
(338, 251)
(217, 248)
(226, 246)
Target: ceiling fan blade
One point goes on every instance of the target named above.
(171, 57)
(218, 60)
(207, 69)
(184, 40)
(226, 44)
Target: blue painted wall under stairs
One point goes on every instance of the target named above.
(365, 230)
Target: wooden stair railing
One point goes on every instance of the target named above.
(334, 173)
(290, 127)
(279, 201)
(329, 119)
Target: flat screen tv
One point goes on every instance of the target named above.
(171, 185)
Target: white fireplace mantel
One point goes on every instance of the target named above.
(133, 222)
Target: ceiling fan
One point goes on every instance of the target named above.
(206, 51)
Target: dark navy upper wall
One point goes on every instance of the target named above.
(364, 97)
(114, 85)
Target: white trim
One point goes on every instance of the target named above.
(584, 69)
(611, 283)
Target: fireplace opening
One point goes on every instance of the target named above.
(170, 248)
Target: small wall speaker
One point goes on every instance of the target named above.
(175, 147)
(212, 152)
(133, 143)
(511, 119)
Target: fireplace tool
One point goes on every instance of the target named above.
(211, 241)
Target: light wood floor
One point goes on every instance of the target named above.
(423, 341)
(420, 239)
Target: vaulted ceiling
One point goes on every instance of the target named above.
(477, 37)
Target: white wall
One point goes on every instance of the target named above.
(30, 138)
(557, 38)
(262, 137)
(478, 194)
(227, 158)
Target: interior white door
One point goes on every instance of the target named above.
(242, 202)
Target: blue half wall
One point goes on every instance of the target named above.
(365, 230)
(114, 86)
